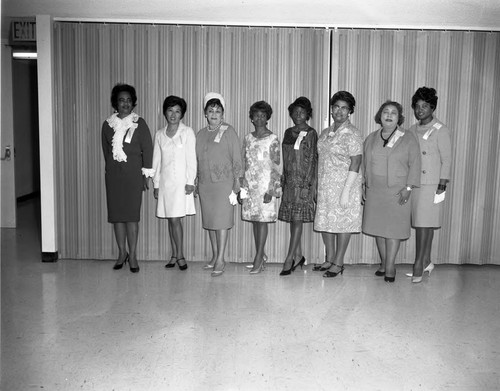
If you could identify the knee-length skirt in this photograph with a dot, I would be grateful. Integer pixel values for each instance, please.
(216, 210)
(424, 212)
(382, 215)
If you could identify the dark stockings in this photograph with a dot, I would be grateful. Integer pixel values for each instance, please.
(295, 248)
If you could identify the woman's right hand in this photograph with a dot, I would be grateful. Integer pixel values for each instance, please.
(155, 193)
(344, 198)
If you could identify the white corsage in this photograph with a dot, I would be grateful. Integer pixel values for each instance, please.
(121, 126)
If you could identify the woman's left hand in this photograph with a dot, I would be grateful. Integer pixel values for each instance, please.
(315, 194)
(267, 198)
(189, 189)
(404, 196)
(145, 183)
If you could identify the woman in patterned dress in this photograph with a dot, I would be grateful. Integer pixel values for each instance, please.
(220, 168)
(338, 212)
(128, 153)
(262, 181)
(300, 157)
(174, 161)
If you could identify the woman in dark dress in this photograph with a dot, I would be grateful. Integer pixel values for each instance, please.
(300, 158)
(128, 153)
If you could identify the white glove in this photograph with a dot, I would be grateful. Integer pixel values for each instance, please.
(233, 199)
(344, 197)
(243, 193)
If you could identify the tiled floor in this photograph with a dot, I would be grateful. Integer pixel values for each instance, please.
(79, 325)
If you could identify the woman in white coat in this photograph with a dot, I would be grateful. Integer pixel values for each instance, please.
(174, 159)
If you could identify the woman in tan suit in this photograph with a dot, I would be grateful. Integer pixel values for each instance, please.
(435, 145)
(219, 171)
(391, 170)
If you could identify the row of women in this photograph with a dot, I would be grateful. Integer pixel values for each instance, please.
(319, 179)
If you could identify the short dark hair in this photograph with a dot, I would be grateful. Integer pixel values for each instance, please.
(303, 102)
(397, 105)
(346, 97)
(171, 101)
(427, 95)
(120, 87)
(213, 102)
(261, 106)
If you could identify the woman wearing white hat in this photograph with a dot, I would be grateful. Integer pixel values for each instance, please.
(219, 168)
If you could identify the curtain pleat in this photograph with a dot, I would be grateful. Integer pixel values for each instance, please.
(247, 64)
(464, 67)
(243, 64)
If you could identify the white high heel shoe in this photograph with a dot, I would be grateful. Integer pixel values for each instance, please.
(428, 269)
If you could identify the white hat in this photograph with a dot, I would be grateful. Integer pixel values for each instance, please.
(214, 95)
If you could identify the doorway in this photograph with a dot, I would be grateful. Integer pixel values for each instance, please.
(26, 135)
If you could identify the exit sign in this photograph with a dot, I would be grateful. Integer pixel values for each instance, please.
(23, 30)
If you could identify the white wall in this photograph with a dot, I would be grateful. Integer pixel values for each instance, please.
(47, 164)
(8, 196)
(428, 14)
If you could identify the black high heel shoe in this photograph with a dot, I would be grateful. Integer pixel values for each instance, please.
(378, 273)
(289, 271)
(389, 279)
(329, 274)
(134, 269)
(300, 263)
(321, 268)
(118, 266)
(171, 264)
(182, 267)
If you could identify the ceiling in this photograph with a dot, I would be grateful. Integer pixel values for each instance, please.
(404, 14)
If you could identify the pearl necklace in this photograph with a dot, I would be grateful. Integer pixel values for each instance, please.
(216, 128)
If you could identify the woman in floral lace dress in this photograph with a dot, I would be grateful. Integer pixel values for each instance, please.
(128, 153)
(262, 180)
(338, 212)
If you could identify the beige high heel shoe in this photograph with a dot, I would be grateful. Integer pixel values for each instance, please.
(251, 265)
(428, 269)
(261, 267)
(217, 273)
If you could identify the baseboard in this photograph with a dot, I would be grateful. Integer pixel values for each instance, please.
(50, 257)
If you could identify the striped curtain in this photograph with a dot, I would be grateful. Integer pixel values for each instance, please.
(464, 68)
(276, 65)
(243, 64)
